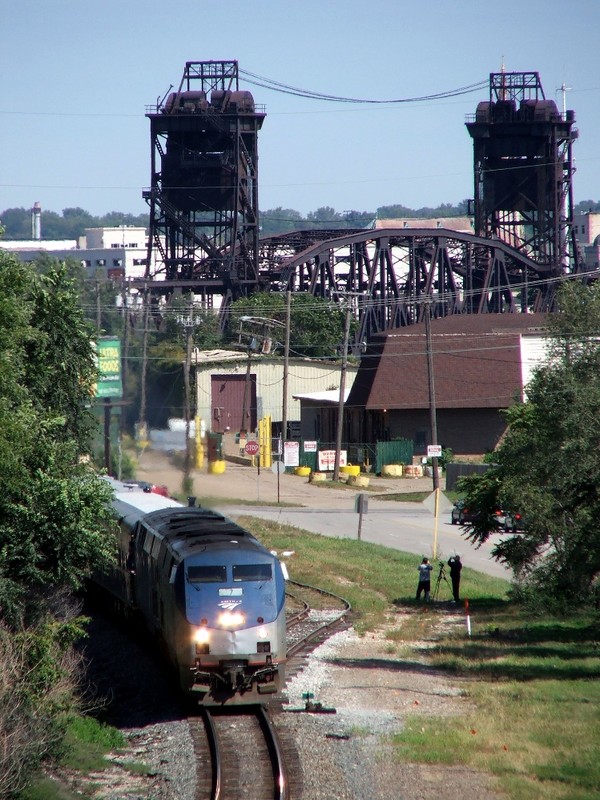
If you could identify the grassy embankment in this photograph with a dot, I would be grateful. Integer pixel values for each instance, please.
(535, 693)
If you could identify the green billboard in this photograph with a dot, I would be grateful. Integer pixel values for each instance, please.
(108, 351)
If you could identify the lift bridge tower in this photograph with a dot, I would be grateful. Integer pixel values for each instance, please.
(523, 171)
(204, 194)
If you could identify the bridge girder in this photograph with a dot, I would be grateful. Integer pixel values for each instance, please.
(391, 272)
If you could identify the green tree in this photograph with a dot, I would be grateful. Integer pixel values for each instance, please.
(53, 506)
(548, 464)
(316, 329)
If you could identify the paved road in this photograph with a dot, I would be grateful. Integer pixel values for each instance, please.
(327, 510)
(402, 526)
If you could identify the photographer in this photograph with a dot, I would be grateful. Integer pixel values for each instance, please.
(455, 565)
(424, 579)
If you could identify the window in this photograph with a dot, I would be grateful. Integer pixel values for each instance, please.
(252, 572)
(117, 262)
(420, 440)
(207, 574)
(101, 262)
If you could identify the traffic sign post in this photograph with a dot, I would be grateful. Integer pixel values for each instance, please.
(252, 448)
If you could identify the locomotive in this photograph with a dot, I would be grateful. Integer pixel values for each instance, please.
(208, 591)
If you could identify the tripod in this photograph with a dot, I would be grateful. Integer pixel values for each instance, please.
(441, 577)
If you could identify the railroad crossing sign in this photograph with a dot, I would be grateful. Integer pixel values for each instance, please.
(252, 448)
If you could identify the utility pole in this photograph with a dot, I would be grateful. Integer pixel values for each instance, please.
(431, 383)
(189, 329)
(340, 416)
(286, 366)
(142, 432)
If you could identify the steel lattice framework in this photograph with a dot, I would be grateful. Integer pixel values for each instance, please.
(523, 168)
(391, 273)
(204, 193)
(204, 214)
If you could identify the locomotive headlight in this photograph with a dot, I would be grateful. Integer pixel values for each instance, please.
(262, 633)
(201, 636)
(231, 619)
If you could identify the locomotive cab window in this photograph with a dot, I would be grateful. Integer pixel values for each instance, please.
(207, 574)
(252, 572)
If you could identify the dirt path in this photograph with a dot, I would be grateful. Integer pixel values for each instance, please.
(245, 483)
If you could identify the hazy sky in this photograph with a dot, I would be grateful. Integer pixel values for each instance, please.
(77, 76)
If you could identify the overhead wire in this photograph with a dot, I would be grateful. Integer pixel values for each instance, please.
(284, 88)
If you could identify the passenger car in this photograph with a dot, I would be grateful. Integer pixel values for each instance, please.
(461, 514)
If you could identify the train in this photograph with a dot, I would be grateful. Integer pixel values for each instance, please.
(210, 594)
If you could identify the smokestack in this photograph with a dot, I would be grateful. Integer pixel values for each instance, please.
(36, 221)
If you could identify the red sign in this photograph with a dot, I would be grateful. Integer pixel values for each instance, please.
(252, 448)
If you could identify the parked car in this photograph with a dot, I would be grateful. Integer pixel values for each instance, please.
(149, 487)
(513, 521)
(460, 514)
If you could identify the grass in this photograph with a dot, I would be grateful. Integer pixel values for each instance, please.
(531, 681)
(86, 745)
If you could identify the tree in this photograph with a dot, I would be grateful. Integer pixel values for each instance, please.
(317, 325)
(548, 465)
(53, 506)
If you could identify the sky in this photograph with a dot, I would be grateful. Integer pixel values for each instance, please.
(78, 75)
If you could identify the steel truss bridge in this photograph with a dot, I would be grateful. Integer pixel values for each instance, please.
(391, 275)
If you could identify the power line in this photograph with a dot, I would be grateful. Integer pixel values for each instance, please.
(284, 88)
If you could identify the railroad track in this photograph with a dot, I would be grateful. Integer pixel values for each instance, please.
(238, 755)
(238, 751)
(316, 615)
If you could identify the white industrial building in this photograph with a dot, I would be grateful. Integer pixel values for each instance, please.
(234, 391)
(109, 253)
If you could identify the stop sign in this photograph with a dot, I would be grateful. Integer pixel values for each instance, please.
(252, 448)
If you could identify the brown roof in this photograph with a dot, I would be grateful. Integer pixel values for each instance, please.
(476, 363)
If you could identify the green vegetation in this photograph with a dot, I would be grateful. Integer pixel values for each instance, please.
(72, 222)
(53, 509)
(547, 467)
(531, 681)
(534, 704)
(87, 742)
(372, 578)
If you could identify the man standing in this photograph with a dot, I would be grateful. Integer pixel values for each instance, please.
(455, 565)
(424, 579)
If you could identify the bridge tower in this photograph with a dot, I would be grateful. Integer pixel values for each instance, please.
(523, 170)
(204, 192)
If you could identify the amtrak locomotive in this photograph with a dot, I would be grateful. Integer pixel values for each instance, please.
(207, 589)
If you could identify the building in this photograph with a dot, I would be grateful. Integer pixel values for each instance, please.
(481, 364)
(106, 253)
(586, 228)
(234, 389)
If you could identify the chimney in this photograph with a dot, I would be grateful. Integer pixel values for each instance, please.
(36, 221)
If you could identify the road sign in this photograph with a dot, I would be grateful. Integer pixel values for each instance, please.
(252, 448)
(278, 468)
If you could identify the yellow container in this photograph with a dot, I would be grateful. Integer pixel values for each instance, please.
(304, 472)
(351, 469)
(358, 480)
(216, 467)
(392, 470)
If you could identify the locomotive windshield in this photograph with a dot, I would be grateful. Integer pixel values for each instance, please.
(252, 572)
(207, 573)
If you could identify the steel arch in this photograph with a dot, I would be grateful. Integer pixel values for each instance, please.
(391, 272)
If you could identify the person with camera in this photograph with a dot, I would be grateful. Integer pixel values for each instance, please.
(455, 565)
(424, 579)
